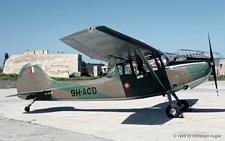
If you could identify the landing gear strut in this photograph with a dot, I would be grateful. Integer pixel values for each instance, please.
(174, 111)
(27, 108)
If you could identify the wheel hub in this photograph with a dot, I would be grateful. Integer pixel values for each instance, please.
(173, 111)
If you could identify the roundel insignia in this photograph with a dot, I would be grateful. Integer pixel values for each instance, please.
(126, 85)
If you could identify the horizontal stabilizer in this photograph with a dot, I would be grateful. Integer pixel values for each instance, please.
(29, 93)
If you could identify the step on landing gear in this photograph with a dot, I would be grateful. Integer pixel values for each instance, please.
(27, 108)
(173, 110)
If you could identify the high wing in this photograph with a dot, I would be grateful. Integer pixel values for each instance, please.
(103, 43)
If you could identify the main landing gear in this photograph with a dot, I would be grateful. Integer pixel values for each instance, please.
(174, 110)
(27, 108)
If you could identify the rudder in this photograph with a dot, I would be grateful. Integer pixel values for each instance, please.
(32, 78)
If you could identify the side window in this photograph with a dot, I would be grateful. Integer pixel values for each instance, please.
(139, 67)
(127, 69)
(135, 66)
(124, 69)
(120, 69)
(111, 73)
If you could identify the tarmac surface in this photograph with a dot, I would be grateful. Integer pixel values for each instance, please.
(142, 119)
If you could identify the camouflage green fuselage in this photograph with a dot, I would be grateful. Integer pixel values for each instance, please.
(119, 86)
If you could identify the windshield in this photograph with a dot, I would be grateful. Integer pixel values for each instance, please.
(166, 56)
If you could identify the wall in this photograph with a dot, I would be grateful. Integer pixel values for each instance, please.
(94, 69)
(7, 84)
(54, 65)
(222, 68)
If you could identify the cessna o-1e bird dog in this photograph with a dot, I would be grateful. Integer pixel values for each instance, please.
(140, 71)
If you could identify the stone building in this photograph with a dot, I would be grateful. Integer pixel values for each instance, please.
(54, 65)
(222, 68)
(94, 69)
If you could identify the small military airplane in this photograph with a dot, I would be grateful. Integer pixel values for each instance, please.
(140, 71)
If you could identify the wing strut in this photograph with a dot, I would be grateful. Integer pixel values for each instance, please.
(150, 68)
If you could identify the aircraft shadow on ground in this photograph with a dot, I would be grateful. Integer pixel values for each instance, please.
(141, 116)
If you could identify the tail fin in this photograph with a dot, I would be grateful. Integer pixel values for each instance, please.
(32, 78)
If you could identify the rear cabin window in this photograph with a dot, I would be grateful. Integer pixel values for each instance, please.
(124, 69)
(127, 69)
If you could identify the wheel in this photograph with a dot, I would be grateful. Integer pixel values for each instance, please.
(184, 106)
(173, 111)
(27, 109)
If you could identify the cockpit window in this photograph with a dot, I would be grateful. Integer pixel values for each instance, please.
(127, 69)
(157, 62)
(123, 69)
(120, 69)
(166, 59)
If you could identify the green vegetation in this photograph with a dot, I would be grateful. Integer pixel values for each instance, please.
(84, 71)
(8, 76)
(6, 56)
(110, 66)
(219, 78)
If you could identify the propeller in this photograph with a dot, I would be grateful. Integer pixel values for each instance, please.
(213, 65)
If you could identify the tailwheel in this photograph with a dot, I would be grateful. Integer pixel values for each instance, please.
(184, 105)
(173, 111)
(27, 108)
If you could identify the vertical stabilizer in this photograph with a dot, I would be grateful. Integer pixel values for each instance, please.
(32, 78)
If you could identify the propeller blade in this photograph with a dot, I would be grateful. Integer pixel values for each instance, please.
(213, 65)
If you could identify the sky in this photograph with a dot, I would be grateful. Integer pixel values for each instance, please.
(165, 25)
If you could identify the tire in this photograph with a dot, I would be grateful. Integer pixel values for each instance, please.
(185, 105)
(27, 109)
(173, 111)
